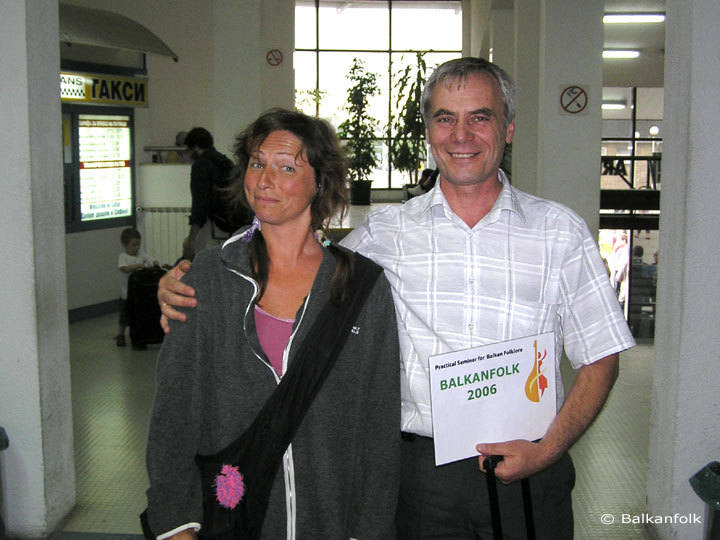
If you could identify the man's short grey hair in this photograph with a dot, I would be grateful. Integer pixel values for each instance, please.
(459, 70)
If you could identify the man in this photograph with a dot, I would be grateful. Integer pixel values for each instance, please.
(208, 172)
(476, 261)
(619, 261)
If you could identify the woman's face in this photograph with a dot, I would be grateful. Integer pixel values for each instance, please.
(279, 181)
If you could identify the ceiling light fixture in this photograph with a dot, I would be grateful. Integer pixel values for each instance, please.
(613, 105)
(620, 54)
(633, 18)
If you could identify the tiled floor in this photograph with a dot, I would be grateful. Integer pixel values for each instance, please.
(611, 458)
(112, 395)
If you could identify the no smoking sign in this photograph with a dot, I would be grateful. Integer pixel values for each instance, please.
(573, 99)
(274, 57)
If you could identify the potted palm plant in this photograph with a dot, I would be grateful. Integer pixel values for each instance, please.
(358, 132)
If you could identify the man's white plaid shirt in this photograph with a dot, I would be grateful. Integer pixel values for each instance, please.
(529, 266)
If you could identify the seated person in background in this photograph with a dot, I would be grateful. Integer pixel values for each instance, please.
(646, 270)
(178, 156)
(426, 183)
(651, 269)
(258, 296)
(129, 260)
(637, 255)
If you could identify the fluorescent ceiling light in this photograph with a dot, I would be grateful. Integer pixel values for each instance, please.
(633, 18)
(613, 105)
(620, 54)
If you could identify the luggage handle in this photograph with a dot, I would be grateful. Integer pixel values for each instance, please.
(489, 464)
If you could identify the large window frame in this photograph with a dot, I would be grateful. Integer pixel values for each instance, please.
(396, 59)
(631, 179)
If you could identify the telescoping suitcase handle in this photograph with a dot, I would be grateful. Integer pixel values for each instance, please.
(489, 464)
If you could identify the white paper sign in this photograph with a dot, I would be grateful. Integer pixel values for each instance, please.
(492, 393)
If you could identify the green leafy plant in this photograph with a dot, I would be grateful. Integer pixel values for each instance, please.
(308, 101)
(358, 131)
(408, 151)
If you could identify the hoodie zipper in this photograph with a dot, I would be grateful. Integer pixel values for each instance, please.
(288, 463)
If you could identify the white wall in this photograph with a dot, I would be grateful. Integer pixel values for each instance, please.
(180, 93)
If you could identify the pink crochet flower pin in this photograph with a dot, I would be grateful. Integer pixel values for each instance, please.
(229, 487)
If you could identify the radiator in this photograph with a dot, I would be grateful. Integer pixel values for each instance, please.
(163, 230)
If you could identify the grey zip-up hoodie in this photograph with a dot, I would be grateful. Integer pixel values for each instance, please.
(340, 475)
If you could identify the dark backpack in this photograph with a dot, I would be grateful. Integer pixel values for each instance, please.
(227, 215)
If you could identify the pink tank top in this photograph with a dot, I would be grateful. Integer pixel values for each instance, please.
(273, 334)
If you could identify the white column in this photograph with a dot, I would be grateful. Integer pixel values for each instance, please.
(476, 16)
(526, 72)
(559, 45)
(685, 419)
(570, 142)
(38, 471)
(502, 38)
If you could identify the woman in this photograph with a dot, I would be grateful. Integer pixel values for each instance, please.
(258, 296)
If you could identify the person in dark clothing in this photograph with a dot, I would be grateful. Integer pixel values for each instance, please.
(207, 172)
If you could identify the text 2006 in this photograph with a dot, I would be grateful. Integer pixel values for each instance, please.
(483, 391)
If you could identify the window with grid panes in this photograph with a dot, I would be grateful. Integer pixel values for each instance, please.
(385, 35)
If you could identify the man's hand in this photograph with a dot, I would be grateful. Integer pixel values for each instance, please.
(520, 459)
(173, 292)
(584, 401)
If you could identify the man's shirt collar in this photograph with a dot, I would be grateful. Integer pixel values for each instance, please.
(508, 199)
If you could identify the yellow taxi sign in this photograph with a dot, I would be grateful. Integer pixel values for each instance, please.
(103, 89)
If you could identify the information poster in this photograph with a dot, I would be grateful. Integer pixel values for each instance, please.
(105, 174)
(492, 393)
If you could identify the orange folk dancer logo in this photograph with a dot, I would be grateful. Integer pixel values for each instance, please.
(537, 382)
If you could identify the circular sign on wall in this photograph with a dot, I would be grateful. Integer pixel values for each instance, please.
(274, 57)
(573, 99)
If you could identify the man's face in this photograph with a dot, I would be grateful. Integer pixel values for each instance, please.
(195, 152)
(466, 130)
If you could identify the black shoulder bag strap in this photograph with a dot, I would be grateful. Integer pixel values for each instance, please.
(257, 453)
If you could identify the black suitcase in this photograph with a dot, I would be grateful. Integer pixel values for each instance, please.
(142, 307)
